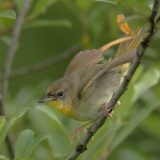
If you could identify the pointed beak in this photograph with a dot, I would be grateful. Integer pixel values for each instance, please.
(46, 99)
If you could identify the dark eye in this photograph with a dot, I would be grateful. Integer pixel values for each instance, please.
(60, 93)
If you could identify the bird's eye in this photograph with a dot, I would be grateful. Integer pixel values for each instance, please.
(60, 93)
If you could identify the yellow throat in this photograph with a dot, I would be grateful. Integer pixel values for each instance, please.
(64, 108)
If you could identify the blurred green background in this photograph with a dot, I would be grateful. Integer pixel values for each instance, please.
(51, 28)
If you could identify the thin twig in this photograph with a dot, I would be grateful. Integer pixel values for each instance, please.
(7, 67)
(82, 146)
(46, 63)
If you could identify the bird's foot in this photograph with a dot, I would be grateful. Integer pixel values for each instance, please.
(107, 111)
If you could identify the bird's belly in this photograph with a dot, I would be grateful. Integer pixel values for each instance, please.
(91, 103)
(90, 108)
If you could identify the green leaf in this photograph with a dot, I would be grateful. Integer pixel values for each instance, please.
(26, 144)
(148, 80)
(2, 122)
(2, 128)
(8, 125)
(2, 157)
(37, 141)
(49, 23)
(40, 7)
(18, 4)
(5, 39)
(133, 121)
(54, 117)
(108, 1)
(8, 14)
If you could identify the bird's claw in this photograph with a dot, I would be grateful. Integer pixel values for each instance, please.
(107, 111)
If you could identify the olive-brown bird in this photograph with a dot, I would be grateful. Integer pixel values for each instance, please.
(90, 81)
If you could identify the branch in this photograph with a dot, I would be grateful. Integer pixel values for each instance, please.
(82, 146)
(8, 64)
(46, 63)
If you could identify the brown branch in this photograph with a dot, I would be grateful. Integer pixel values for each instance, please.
(82, 146)
(46, 63)
(7, 67)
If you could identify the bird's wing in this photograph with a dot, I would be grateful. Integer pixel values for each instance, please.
(83, 60)
(126, 47)
(118, 61)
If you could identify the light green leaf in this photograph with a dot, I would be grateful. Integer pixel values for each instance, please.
(26, 144)
(148, 80)
(54, 117)
(8, 14)
(2, 157)
(49, 23)
(40, 7)
(108, 1)
(8, 125)
(37, 141)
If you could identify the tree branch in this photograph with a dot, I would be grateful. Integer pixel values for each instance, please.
(7, 67)
(82, 146)
(46, 63)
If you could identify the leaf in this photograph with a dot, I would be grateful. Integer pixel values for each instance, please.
(8, 125)
(2, 157)
(54, 117)
(108, 1)
(49, 23)
(2, 128)
(40, 7)
(37, 141)
(26, 144)
(133, 122)
(148, 80)
(2, 122)
(8, 14)
(6, 40)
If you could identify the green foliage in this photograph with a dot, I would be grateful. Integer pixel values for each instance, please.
(40, 7)
(149, 79)
(6, 126)
(26, 144)
(8, 14)
(2, 157)
(49, 23)
(41, 132)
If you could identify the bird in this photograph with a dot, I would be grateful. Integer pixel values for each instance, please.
(90, 80)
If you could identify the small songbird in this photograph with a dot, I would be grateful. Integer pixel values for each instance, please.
(90, 81)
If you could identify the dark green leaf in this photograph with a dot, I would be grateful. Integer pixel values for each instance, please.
(49, 23)
(40, 7)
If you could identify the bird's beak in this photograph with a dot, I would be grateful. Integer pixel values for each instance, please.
(46, 99)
